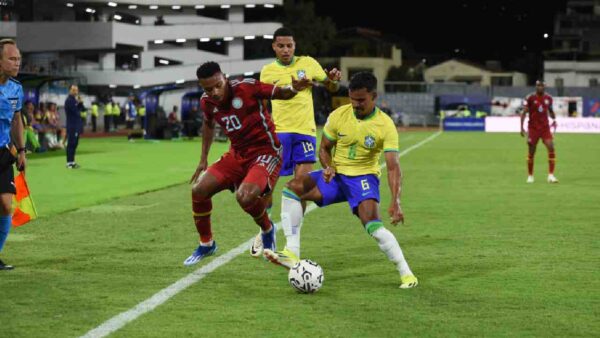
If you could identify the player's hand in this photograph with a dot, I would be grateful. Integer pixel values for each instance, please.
(301, 84)
(201, 167)
(395, 212)
(334, 74)
(328, 174)
(21, 161)
(523, 132)
(554, 124)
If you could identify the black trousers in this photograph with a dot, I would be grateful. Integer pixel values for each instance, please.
(72, 143)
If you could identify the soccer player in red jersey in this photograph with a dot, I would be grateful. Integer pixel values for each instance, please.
(539, 106)
(251, 166)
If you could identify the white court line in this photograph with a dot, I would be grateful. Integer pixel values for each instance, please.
(120, 320)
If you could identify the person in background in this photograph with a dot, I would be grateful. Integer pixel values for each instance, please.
(74, 125)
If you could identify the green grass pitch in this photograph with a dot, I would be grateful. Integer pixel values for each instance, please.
(494, 256)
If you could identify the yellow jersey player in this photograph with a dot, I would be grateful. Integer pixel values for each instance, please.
(294, 119)
(360, 132)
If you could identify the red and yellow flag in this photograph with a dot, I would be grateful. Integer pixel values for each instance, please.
(24, 207)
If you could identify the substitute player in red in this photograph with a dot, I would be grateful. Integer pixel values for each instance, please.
(251, 166)
(539, 107)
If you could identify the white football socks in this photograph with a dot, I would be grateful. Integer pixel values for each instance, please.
(291, 222)
(389, 245)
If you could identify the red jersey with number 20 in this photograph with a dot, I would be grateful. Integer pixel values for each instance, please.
(538, 107)
(245, 120)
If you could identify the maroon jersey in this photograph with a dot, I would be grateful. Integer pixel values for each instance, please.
(245, 120)
(538, 107)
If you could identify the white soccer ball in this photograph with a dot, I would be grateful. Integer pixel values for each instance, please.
(306, 276)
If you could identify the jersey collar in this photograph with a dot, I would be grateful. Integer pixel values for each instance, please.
(282, 65)
(368, 117)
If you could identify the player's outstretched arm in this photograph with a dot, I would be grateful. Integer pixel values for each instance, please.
(394, 174)
(332, 80)
(326, 159)
(208, 132)
(289, 91)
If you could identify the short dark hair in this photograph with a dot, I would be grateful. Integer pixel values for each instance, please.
(6, 42)
(363, 80)
(207, 70)
(283, 32)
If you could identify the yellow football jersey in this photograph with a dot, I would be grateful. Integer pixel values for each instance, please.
(297, 114)
(359, 143)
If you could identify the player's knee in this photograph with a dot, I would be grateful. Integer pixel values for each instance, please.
(245, 198)
(198, 192)
(296, 186)
(5, 208)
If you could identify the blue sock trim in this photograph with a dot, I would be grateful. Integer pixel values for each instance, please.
(290, 194)
(5, 225)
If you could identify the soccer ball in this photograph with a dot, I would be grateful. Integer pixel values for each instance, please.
(306, 276)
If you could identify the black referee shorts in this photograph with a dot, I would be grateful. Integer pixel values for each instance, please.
(7, 177)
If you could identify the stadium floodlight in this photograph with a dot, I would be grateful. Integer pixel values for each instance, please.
(180, 81)
(204, 39)
(199, 7)
(112, 86)
(228, 38)
(137, 21)
(158, 42)
(117, 17)
(153, 7)
(225, 6)
(249, 37)
(180, 40)
(163, 61)
(176, 7)
(90, 10)
(267, 36)
(250, 5)
(112, 4)
(132, 6)
(70, 4)
(269, 6)
(135, 56)
(136, 86)
(248, 73)
(546, 35)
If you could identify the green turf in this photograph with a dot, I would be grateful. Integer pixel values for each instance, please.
(495, 256)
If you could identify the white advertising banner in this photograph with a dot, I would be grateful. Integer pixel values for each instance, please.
(511, 124)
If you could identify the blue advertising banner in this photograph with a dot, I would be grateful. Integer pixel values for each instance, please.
(464, 124)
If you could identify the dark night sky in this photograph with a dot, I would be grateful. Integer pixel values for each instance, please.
(510, 28)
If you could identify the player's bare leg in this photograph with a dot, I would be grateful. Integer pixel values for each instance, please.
(551, 160)
(368, 212)
(249, 198)
(530, 157)
(205, 187)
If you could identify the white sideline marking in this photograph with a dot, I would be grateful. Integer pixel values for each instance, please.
(120, 320)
